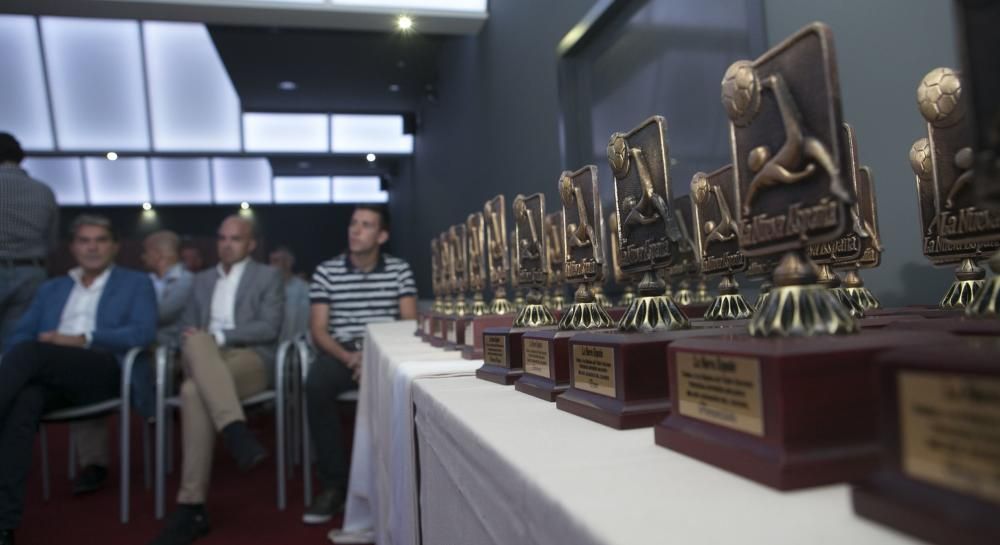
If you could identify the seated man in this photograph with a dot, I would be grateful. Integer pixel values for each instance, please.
(172, 284)
(348, 292)
(296, 295)
(229, 329)
(66, 349)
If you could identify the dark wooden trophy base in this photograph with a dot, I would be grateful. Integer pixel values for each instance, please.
(925, 311)
(502, 354)
(453, 331)
(546, 363)
(472, 349)
(939, 483)
(785, 412)
(437, 338)
(429, 327)
(958, 325)
(626, 376)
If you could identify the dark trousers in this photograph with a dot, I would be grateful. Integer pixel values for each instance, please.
(36, 378)
(328, 378)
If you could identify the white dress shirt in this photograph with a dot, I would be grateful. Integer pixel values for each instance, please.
(79, 316)
(224, 300)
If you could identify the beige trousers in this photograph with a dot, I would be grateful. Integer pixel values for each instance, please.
(92, 442)
(216, 380)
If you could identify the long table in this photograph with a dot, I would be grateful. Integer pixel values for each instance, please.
(442, 458)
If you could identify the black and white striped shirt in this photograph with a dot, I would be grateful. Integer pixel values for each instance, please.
(358, 298)
(29, 216)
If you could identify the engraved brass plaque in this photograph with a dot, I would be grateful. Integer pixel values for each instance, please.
(583, 228)
(950, 431)
(594, 369)
(785, 130)
(495, 350)
(536, 357)
(716, 231)
(720, 389)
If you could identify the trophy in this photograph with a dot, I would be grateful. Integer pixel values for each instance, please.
(859, 246)
(454, 325)
(618, 378)
(546, 352)
(478, 271)
(503, 355)
(698, 300)
(623, 280)
(554, 232)
(497, 260)
(446, 287)
(430, 321)
(515, 279)
(795, 407)
(940, 405)
(717, 240)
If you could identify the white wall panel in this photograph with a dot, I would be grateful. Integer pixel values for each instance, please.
(95, 75)
(301, 189)
(353, 133)
(63, 174)
(125, 181)
(181, 180)
(264, 132)
(241, 179)
(355, 189)
(472, 6)
(193, 104)
(24, 109)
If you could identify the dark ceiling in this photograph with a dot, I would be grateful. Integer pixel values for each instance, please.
(335, 71)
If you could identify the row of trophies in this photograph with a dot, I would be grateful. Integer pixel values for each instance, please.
(779, 391)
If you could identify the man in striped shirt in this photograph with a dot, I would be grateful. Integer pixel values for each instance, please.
(359, 287)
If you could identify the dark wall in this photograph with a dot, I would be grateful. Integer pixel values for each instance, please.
(494, 126)
(313, 232)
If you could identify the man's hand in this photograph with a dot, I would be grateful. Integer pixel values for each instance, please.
(189, 331)
(54, 337)
(353, 363)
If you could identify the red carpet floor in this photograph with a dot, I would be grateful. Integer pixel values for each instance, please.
(241, 506)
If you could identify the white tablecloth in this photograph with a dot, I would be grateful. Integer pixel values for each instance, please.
(382, 494)
(500, 467)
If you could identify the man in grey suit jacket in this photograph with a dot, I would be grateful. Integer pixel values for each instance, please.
(229, 330)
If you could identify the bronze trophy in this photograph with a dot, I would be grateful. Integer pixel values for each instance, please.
(554, 232)
(546, 352)
(454, 325)
(623, 280)
(503, 355)
(687, 268)
(797, 409)
(717, 240)
(478, 272)
(446, 285)
(497, 255)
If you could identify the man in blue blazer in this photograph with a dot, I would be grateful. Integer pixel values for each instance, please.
(66, 350)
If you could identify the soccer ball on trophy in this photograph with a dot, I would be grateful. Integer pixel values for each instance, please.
(618, 155)
(920, 159)
(939, 97)
(741, 92)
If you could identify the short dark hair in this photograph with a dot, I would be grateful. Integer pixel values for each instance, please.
(10, 149)
(380, 209)
(95, 220)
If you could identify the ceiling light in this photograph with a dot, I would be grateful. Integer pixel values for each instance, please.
(147, 206)
(112, 156)
(244, 205)
(393, 87)
(370, 157)
(287, 85)
(404, 23)
(304, 164)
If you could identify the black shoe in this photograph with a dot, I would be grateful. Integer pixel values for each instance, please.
(6, 537)
(324, 506)
(184, 526)
(91, 479)
(243, 446)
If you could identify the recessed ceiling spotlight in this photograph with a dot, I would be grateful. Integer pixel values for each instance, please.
(393, 87)
(287, 85)
(304, 164)
(147, 206)
(404, 23)
(244, 205)
(112, 156)
(370, 157)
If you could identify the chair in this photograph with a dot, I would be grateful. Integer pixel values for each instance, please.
(122, 405)
(278, 396)
(306, 356)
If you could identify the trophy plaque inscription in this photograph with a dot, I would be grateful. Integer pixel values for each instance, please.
(546, 352)
(717, 240)
(798, 405)
(532, 266)
(939, 416)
